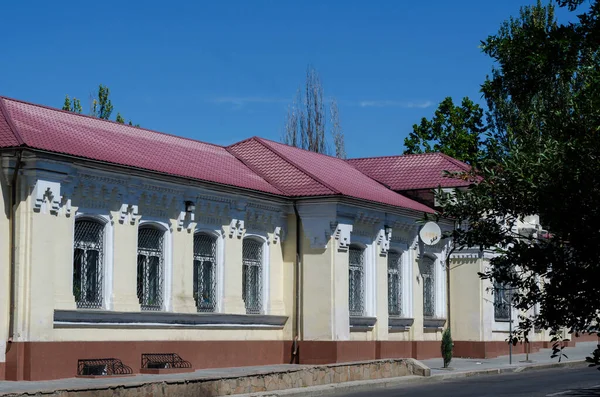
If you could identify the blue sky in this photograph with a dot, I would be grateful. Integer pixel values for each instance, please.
(222, 71)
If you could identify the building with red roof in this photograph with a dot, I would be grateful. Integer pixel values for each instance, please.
(118, 241)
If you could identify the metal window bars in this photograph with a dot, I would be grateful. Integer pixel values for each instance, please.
(428, 274)
(356, 285)
(394, 263)
(102, 367)
(88, 259)
(502, 302)
(164, 360)
(252, 258)
(150, 268)
(205, 269)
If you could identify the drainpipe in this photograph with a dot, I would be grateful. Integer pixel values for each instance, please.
(12, 253)
(448, 294)
(297, 286)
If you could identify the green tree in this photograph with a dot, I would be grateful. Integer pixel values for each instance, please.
(74, 106)
(447, 347)
(100, 105)
(454, 130)
(306, 125)
(543, 96)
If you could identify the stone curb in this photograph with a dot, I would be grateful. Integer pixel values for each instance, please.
(335, 389)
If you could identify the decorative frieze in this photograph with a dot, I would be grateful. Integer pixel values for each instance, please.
(236, 228)
(342, 235)
(47, 192)
(384, 239)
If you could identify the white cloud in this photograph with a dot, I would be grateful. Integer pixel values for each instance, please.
(398, 104)
(241, 101)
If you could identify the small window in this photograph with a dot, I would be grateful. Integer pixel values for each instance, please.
(150, 267)
(428, 274)
(356, 281)
(394, 263)
(502, 302)
(88, 263)
(205, 270)
(252, 277)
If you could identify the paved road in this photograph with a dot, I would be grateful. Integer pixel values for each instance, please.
(562, 382)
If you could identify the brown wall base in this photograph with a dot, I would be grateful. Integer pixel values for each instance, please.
(327, 352)
(585, 338)
(55, 360)
(468, 349)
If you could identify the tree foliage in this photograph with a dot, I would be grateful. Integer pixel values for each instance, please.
(543, 96)
(447, 347)
(306, 121)
(457, 131)
(100, 105)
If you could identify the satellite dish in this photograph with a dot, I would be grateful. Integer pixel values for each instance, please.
(430, 233)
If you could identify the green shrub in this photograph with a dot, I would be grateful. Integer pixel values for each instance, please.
(447, 347)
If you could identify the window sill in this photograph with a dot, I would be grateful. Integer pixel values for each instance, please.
(362, 324)
(434, 323)
(110, 319)
(399, 324)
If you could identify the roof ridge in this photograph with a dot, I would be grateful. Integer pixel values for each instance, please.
(461, 164)
(394, 156)
(299, 148)
(296, 165)
(10, 123)
(106, 121)
(253, 169)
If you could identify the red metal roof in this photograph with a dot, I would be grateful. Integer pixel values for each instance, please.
(412, 171)
(255, 164)
(316, 174)
(64, 132)
(278, 170)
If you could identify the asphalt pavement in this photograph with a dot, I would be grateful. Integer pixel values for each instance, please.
(563, 382)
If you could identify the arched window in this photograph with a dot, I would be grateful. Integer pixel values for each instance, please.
(150, 267)
(428, 274)
(252, 277)
(356, 281)
(205, 272)
(394, 266)
(88, 263)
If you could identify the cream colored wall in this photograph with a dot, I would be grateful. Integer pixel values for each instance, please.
(466, 303)
(44, 269)
(4, 266)
(318, 295)
(380, 331)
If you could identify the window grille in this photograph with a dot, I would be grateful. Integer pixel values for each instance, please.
(428, 275)
(356, 284)
(88, 263)
(150, 267)
(205, 270)
(252, 257)
(394, 263)
(502, 302)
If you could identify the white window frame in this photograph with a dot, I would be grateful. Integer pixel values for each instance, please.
(407, 277)
(266, 268)
(167, 304)
(107, 255)
(370, 273)
(220, 273)
(439, 275)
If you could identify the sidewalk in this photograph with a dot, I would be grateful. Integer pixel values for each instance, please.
(574, 354)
